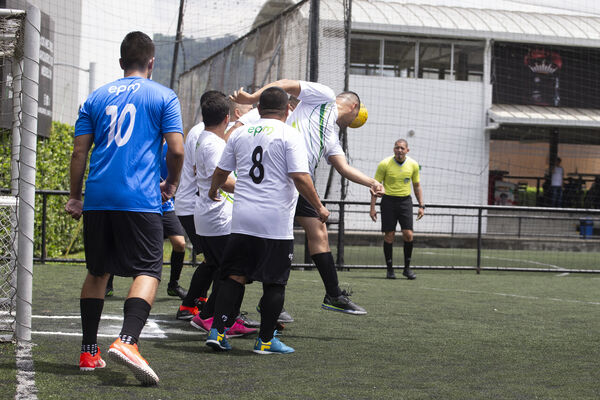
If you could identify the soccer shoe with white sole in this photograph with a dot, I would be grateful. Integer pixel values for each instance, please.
(201, 324)
(273, 346)
(283, 318)
(218, 341)
(343, 304)
(88, 362)
(129, 356)
(247, 321)
(409, 274)
(239, 329)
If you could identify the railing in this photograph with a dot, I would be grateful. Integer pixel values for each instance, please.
(338, 228)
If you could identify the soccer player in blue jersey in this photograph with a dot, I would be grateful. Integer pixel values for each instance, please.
(126, 121)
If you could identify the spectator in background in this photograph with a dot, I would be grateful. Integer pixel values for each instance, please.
(556, 188)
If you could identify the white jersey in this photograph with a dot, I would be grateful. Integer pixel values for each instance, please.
(211, 218)
(264, 155)
(315, 117)
(185, 197)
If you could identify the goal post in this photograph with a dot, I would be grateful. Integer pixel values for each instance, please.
(19, 58)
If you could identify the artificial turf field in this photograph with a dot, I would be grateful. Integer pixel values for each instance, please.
(446, 335)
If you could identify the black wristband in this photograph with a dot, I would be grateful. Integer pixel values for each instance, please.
(423, 207)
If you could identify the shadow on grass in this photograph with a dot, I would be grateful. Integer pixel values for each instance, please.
(107, 376)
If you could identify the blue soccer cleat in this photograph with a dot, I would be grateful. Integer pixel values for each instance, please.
(218, 341)
(273, 346)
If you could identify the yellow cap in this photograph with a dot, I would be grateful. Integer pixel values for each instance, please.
(361, 118)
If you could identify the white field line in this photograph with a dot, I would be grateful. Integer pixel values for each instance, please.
(594, 303)
(26, 389)
(152, 329)
(510, 259)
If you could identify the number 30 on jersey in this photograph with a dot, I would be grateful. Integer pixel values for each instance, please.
(116, 124)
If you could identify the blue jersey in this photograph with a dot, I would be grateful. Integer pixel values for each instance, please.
(168, 205)
(128, 118)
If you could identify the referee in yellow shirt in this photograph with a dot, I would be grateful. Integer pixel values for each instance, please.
(396, 173)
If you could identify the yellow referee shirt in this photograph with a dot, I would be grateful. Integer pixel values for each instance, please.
(396, 177)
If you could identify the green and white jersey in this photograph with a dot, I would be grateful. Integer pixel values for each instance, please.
(315, 117)
(211, 218)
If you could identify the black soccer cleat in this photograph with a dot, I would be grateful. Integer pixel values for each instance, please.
(409, 274)
(343, 304)
(176, 290)
(390, 274)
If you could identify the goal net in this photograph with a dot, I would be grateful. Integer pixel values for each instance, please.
(19, 55)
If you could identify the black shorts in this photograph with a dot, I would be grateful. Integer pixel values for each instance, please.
(171, 225)
(187, 222)
(396, 209)
(123, 243)
(258, 259)
(214, 249)
(305, 209)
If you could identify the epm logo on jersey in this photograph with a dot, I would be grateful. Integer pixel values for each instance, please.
(255, 130)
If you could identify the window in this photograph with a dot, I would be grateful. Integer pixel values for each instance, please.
(365, 58)
(401, 56)
(399, 59)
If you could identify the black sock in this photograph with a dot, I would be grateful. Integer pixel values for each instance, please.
(270, 308)
(135, 312)
(227, 298)
(176, 267)
(238, 305)
(91, 310)
(408, 246)
(388, 251)
(199, 284)
(326, 267)
(109, 284)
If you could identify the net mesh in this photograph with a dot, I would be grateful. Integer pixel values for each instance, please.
(11, 52)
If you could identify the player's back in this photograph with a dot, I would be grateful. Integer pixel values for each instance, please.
(315, 117)
(265, 196)
(127, 118)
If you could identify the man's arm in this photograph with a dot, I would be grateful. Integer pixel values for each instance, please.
(373, 212)
(81, 148)
(289, 85)
(341, 165)
(306, 188)
(229, 185)
(419, 195)
(175, 155)
(218, 180)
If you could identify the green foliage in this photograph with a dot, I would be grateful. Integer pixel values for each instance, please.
(53, 159)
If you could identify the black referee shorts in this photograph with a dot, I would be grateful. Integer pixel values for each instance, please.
(123, 243)
(396, 209)
(258, 259)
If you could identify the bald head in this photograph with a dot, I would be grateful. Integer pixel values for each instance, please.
(236, 110)
(348, 104)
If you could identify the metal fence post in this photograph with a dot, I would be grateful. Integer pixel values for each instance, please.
(340, 238)
(479, 241)
(44, 216)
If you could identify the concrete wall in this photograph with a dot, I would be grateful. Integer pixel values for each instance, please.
(443, 123)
